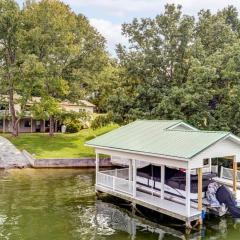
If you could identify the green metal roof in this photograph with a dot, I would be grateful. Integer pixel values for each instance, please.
(154, 137)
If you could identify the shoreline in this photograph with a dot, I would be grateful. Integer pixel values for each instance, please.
(70, 163)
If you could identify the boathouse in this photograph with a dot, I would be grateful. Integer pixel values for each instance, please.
(167, 144)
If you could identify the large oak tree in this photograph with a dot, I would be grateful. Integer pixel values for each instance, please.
(49, 51)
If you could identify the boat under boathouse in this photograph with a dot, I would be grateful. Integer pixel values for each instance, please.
(165, 165)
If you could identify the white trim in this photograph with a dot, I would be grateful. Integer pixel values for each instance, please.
(184, 124)
(150, 159)
(140, 153)
(222, 148)
(235, 138)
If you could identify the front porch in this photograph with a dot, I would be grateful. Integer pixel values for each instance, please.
(29, 125)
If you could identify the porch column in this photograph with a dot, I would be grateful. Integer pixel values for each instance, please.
(188, 191)
(234, 175)
(162, 180)
(134, 178)
(97, 165)
(200, 190)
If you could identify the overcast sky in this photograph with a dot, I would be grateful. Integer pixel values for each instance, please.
(108, 15)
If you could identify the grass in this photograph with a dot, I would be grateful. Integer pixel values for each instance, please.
(59, 146)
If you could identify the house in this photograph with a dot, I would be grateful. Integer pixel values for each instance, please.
(28, 124)
(148, 150)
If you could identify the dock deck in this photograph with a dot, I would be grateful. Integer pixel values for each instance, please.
(122, 188)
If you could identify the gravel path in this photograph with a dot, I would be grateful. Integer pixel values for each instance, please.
(10, 156)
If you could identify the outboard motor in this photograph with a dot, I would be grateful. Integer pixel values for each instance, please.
(223, 195)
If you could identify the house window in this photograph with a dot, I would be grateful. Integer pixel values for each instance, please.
(206, 162)
(82, 110)
(1, 123)
(27, 123)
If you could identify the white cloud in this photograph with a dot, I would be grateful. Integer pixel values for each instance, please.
(118, 7)
(112, 32)
(124, 7)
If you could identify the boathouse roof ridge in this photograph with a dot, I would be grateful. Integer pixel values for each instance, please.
(173, 138)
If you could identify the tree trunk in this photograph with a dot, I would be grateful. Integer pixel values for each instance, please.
(15, 120)
(51, 127)
(15, 128)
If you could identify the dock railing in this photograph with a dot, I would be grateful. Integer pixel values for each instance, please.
(116, 180)
(227, 173)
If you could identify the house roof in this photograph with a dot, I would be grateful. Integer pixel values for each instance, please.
(38, 99)
(87, 103)
(80, 103)
(158, 137)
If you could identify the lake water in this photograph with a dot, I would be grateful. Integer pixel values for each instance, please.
(61, 205)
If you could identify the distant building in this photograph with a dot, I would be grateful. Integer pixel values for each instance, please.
(28, 124)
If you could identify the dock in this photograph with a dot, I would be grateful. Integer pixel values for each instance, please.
(166, 144)
(116, 183)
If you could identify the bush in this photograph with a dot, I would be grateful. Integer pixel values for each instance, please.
(73, 126)
(101, 121)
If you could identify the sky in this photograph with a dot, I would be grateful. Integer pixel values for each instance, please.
(108, 15)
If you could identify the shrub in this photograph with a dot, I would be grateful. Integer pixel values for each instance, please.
(101, 121)
(73, 126)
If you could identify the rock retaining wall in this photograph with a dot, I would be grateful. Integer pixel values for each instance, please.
(70, 163)
(10, 156)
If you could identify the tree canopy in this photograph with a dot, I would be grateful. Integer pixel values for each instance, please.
(47, 50)
(179, 67)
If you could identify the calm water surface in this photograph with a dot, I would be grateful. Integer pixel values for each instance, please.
(61, 204)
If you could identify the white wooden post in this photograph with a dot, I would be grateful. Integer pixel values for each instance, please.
(134, 178)
(97, 165)
(234, 175)
(210, 164)
(130, 175)
(162, 180)
(221, 172)
(130, 170)
(188, 191)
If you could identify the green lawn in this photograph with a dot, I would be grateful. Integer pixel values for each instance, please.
(59, 146)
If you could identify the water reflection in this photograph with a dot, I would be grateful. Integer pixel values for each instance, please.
(61, 205)
(120, 220)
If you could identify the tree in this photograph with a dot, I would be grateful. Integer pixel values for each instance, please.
(157, 59)
(67, 46)
(179, 68)
(16, 65)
